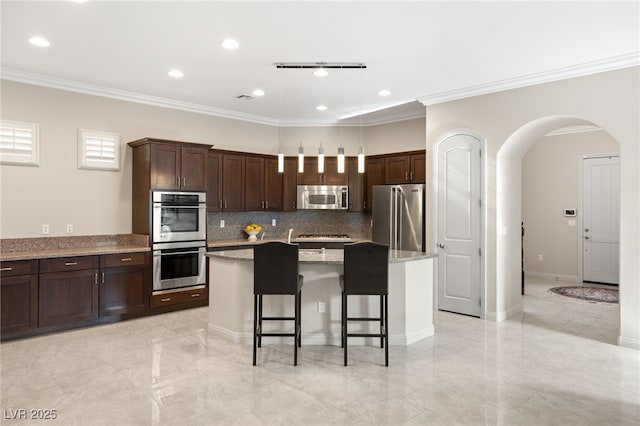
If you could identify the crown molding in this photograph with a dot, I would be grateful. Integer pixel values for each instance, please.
(90, 89)
(594, 67)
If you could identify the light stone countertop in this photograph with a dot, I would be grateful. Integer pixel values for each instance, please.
(322, 257)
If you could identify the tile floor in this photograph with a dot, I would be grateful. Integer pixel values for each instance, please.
(555, 364)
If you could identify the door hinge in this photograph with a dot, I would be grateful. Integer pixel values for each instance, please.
(480, 152)
(480, 301)
(479, 251)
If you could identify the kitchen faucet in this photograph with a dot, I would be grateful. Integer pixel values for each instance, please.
(289, 239)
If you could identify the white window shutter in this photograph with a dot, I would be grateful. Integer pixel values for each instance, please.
(18, 143)
(98, 150)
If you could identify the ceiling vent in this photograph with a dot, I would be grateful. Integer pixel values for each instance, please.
(244, 97)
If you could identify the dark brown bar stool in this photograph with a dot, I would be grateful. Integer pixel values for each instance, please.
(366, 273)
(275, 272)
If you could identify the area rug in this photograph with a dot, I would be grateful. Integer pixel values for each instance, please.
(590, 294)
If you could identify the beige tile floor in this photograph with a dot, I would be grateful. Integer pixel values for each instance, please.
(555, 364)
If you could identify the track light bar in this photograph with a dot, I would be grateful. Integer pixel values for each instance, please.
(328, 65)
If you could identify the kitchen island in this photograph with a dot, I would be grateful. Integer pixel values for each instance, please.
(410, 298)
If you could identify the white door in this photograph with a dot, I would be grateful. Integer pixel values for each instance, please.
(458, 239)
(601, 219)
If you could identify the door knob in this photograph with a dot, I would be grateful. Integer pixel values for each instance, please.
(441, 245)
(587, 237)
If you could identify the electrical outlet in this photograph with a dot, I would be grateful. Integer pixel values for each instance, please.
(540, 258)
(273, 222)
(45, 228)
(221, 223)
(322, 307)
(69, 228)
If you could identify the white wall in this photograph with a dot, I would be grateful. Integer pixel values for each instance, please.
(550, 185)
(99, 202)
(512, 121)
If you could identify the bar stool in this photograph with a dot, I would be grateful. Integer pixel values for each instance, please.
(366, 272)
(275, 272)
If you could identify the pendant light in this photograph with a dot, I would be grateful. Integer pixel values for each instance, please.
(280, 160)
(361, 152)
(361, 160)
(341, 160)
(321, 159)
(300, 159)
(280, 153)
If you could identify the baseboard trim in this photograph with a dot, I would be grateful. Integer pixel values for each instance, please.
(550, 276)
(629, 342)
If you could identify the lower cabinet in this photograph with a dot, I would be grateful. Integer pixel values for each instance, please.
(178, 297)
(125, 284)
(18, 297)
(68, 290)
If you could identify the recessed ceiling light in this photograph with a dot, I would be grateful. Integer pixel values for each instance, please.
(384, 92)
(321, 72)
(39, 41)
(258, 92)
(230, 44)
(321, 108)
(176, 74)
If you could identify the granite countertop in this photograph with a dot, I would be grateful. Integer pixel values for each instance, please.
(52, 247)
(323, 257)
(246, 242)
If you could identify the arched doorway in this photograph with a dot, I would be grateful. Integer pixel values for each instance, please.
(508, 206)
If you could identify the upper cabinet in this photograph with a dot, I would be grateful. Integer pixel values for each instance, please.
(263, 184)
(170, 165)
(290, 184)
(226, 182)
(356, 185)
(405, 168)
(374, 175)
(330, 176)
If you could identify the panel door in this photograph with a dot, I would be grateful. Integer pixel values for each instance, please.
(601, 220)
(418, 168)
(165, 167)
(214, 182)
(194, 169)
(254, 184)
(68, 297)
(273, 182)
(374, 168)
(459, 279)
(290, 184)
(396, 169)
(233, 183)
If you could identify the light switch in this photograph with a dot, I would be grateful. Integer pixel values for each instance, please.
(222, 223)
(572, 222)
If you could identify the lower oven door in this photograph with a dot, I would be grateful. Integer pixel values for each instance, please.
(178, 265)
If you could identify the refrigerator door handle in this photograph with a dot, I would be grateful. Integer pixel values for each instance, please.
(392, 213)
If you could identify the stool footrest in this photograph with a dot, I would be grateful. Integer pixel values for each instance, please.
(277, 334)
(366, 335)
(278, 318)
(363, 319)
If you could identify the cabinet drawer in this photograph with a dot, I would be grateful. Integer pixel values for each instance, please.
(177, 297)
(69, 264)
(18, 267)
(124, 259)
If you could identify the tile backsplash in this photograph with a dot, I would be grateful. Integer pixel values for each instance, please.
(353, 224)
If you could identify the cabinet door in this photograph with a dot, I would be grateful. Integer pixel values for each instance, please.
(214, 182)
(331, 175)
(68, 297)
(18, 304)
(273, 182)
(125, 283)
(356, 185)
(418, 168)
(310, 175)
(194, 169)
(290, 185)
(374, 176)
(254, 183)
(396, 169)
(233, 182)
(165, 166)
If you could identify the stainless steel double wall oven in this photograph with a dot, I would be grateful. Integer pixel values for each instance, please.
(179, 239)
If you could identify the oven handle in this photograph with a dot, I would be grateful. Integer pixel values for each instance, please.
(159, 252)
(179, 206)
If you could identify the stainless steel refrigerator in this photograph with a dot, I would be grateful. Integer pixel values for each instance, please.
(398, 216)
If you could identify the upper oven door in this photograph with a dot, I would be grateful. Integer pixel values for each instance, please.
(179, 217)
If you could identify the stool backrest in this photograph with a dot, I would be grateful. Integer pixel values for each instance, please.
(366, 268)
(275, 268)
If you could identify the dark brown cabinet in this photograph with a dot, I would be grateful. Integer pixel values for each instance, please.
(405, 168)
(356, 185)
(170, 298)
(68, 290)
(330, 176)
(18, 297)
(290, 184)
(125, 283)
(374, 175)
(263, 184)
(225, 182)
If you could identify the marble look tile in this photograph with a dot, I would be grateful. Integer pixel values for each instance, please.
(554, 364)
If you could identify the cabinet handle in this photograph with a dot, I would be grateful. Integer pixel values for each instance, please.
(125, 259)
(102, 278)
(364, 204)
(411, 176)
(225, 204)
(6, 269)
(95, 278)
(70, 263)
(266, 204)
(406, 175)
(220, 203)
(195, 295)
(178, 179)
(294, 204)
(166, 299)
(184, 181)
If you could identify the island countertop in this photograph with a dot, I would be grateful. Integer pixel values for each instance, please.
(322, 256)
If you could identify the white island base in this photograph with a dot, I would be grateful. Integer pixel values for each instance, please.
(410, 300)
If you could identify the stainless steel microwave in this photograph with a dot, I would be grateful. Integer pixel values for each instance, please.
(323, 197)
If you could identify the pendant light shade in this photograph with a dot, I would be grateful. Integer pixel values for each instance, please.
(321, 159)
(280, 160)
(361, 160)
(300, 159)
(340, 160)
